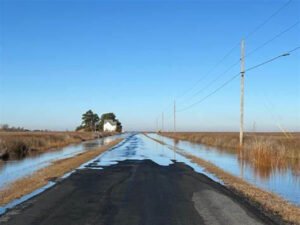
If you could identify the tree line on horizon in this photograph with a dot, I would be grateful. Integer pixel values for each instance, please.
(92, 122)
(6, 127)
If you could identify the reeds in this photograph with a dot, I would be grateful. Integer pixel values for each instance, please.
(15, 145)
(264, 151)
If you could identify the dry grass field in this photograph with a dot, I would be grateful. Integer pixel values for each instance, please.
(263, 150)
(15, 145)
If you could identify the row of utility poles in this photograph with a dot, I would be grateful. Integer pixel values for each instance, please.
(242, 60)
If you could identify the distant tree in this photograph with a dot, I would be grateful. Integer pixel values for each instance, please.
(89, 121)
(119, 126)
(105, 116)
(109, 116)
(5, 127)
(92, 122)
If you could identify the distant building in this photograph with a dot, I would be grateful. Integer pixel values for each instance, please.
(109, 126)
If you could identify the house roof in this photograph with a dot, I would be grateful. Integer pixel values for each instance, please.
(110, 121)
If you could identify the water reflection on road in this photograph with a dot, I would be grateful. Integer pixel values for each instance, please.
(140, 147)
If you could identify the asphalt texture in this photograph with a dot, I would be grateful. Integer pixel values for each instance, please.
(136, 192)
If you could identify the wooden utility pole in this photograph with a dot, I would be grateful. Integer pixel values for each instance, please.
(174, 116)
(242, 92)
(162, 122)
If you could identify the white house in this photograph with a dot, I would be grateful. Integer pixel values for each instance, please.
(109, 125)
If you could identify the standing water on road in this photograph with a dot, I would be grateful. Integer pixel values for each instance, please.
(285, 183)
(16, 169)
(140, 147)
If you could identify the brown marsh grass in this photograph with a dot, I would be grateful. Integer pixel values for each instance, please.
(265, 152)
(40, 178)
(15, 145)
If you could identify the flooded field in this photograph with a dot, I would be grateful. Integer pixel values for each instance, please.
(16, 169)
(283, 182)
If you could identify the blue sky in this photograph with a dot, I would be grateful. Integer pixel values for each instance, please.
(61, 58)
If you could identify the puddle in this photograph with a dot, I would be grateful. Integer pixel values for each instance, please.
(140, 147)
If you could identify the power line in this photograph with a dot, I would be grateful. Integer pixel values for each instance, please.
(270, 60)
(216, 79)
(273, 38)
(210, 94)
(268, 19)
(236, 45)
(209, 72)
(293, 50)
(247, 55)
(235, 76)
(232, 49)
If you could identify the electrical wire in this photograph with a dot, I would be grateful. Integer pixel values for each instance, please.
(216, 79)
(272, 39)
(235, 76)
(210, 94)
(251, 33)
(268, 19)
(232, 49)
(247, 55)
(209, 72)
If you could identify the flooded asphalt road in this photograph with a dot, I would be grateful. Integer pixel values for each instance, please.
(134, 185)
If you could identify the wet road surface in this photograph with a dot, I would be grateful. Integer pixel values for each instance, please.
(136, 188)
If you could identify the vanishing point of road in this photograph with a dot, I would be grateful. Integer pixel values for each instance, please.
(136, 183)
